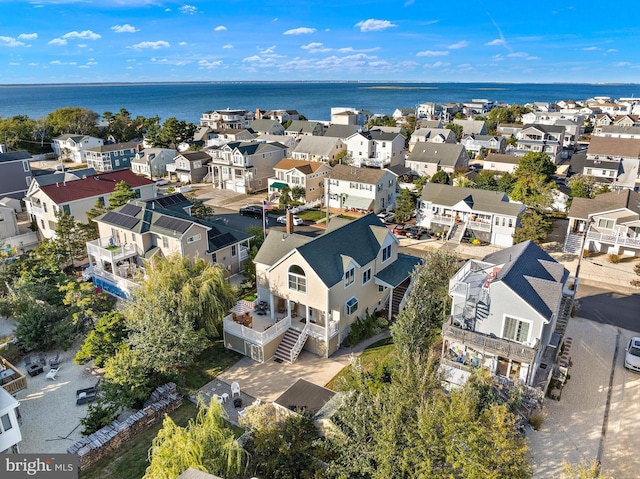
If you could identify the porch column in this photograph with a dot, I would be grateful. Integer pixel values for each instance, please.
(271, 306)
(306, 312)
(390, 303)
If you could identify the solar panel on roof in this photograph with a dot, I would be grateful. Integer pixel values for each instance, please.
(172, 224)
(120, 219)
(223, 240)
(130, 210)
(171, 200)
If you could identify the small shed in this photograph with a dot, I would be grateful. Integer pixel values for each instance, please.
(11, 203)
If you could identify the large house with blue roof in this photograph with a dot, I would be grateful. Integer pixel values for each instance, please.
(509, 315)
(312, 289)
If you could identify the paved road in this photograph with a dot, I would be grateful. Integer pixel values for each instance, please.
(241, 223)
(608, 307)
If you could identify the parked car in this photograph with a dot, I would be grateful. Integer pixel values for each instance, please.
(251, 210)
(400, 229)
(296, 220)
(417, 232)
(387, 218)
(632, 355)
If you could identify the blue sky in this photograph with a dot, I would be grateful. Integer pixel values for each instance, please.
(60, 41)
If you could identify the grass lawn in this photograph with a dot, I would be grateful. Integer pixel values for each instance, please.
(377, 353)
(347, 217)
(312, 215)
(209, 365)
(130, 461)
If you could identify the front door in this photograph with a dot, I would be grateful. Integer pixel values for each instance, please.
(257, 354)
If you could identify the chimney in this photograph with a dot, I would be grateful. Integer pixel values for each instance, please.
(289, 222)
(139, 147)
(258, 114)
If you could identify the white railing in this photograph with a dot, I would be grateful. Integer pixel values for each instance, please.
(295, 350)
(107, 249)
(479, 225)
(172, 167)
(319, 332)
(620, 240)
(36, 210)
(244, 254)
(257, 337)
(445, 220)
(25, 239)
(121, 283)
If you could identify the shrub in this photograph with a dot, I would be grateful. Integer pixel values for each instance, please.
(475, 241)
(614, 258)
(586, 253)
(536, 420)
(364, 328)
(99, 415)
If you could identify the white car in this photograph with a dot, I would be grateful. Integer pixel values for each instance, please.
(632, 355)
(296, 220)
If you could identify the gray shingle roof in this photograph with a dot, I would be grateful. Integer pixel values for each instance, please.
(399, 270)
(445, 154)
(316, 145)
(60, 177)
(15, 155)
(359, 175)
(115, 147)
(302, 126)
(305, 396)
(341, 131)
(532, 274)
(262, 124)
(479, 200)
(615, 147)
(498, 158)
(615, 200)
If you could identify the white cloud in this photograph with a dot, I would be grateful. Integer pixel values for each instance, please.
(533, 58)
(126, 28)
(220, 28)
(83, 66)
(208, 64)
(590, 49)
(10, 42)
(622, 64)
(431, 53)
(153, 45)
(300, 31)
(497, 58)
(315, 47)
(182, 44)
(353, 50)
(373, 25)
(610, 50)
(58, 41)
(14, 64)
(27, 36)
(460, 44)
(253, 59)
(227, 46)
(82, 45)
(518, 55)
(437, 65)
(34, 64)
(188, 9)
(55, 62)
(496, 42)
(84, 35)
(268, 50)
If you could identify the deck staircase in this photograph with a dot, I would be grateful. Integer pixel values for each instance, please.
(572, 243)
(291, 344)
(482, 311)
(456, 233)
(398, 295)
(566, 305)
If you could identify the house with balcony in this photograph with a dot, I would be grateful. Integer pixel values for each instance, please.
(613, 131)
(486, 215)
(486, 143)
(227, 119)
(318, 148)
(190, 167)
(309, 175)
(541, 138)
(509, 314)
(139, 231)
(471, 127)
(112, 157)
(360, 189)
(301, 128)
(10, 435)
(349, 116)
(426, 159)
(280, 115)
(73, 147)
(245, 167)
(375, 148)
(78, 196)
(611, 152)
(15, 173)
(431, 135)
(310, 290)
(217, 138)
(12, 380)
(152, 162)
(608, 223)
(267, 127)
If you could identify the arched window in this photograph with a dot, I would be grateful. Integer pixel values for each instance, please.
(297, 279)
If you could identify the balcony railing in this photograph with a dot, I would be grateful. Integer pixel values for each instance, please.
(444, 220)
(37, 210)
(485, 343)
(108, 250)
(479, 225)
(615, 239)
(123, 284)
(18, 381)
(318, 331)
(257, 337)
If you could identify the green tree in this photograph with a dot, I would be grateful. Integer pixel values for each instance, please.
(534, 227)
(583, 470)
(70, 240)
(428, 304)
(171, 133)
(207, 444)
(582, 186)
(200, 209)
(486, 180)
(249, 267)
(533, 190)
(16, 132)
(39, 325)
(405, 204)
(127, 380)
(456, 129)
(297, 192)
(84, 305)
(440, 176)
(342, 157)
(79, 121)
(123, 128)
(536, 163)
(285, 197)
(122, 194)
(104, 340)
(506, 182)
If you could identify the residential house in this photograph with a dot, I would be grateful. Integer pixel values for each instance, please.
(612, 131)
(15, 173)
(498, 162)
(484, 143)
(475, 127)
(361, 189)
(375, 148)
(78, 196)
(509, 130)
(603, 171)
(10, 435)
(314, 288)
(10, 236)
(73, 147)
(432, 135)
(301, 128)
(280, 115)
(428, 158)
(190, 167)
(227, 119)
(318, 148)
(486, 215)
(305, 174)
(342, 131)
(429, 110)
(477, 107)
(422, 123)
(112, 157)
(349, 116)
(400, 115)
(571, 121)
(312, 400)
(624, 151)
(508, 315)
(267, 127)
(541, 138)
(141, 230)
(388, 129)
(606, 119)
(608, 223)
(152, 162)
(218, 138)
(245, 167)
(8, 224)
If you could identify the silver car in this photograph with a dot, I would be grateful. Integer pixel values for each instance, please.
(632, 355)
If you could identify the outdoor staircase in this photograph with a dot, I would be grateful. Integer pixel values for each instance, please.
(456, 233)
(566, 305)
(572, 243)
(482, 311)
(291, 345)
(398, 295)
